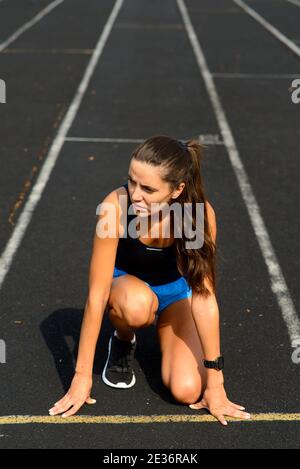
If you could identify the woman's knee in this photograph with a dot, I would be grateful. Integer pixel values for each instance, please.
(185, 390)
(136, 311)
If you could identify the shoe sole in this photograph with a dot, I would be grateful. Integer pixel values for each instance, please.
(119, 385)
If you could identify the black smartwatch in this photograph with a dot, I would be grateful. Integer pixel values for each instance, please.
(217, 364)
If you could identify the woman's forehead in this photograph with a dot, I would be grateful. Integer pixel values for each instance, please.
(146, 173)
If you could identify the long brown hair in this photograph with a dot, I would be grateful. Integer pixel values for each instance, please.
(182, 163)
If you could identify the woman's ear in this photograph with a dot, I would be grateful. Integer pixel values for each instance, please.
(178, 191)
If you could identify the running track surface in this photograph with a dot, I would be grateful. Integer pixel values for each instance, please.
(85, 83)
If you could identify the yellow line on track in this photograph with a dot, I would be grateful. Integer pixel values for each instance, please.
(141, 419)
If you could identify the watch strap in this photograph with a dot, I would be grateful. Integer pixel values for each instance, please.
(217, 364)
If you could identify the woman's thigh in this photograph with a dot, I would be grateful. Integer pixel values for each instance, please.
(133, 300)
(182, 369)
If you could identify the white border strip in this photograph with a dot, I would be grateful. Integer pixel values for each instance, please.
(274, 31)
(37, 190)
(278, 284)
(29, 24)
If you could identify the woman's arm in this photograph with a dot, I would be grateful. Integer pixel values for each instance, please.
(205, 313)
(100, 279)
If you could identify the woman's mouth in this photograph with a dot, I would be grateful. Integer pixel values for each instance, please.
(138, 207)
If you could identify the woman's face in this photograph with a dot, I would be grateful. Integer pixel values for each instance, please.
(146, 188)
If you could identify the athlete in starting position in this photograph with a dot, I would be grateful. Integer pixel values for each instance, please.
(157, 280)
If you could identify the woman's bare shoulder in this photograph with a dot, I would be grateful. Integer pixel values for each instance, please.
(113, 201)
(211, 216)
(114, 195)
(210, 209)
(121, 203)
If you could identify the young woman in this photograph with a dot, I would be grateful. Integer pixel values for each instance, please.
(156, 279)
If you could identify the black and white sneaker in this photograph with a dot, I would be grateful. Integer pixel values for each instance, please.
(118, 371)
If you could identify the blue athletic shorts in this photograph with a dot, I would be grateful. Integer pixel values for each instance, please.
(168, 292)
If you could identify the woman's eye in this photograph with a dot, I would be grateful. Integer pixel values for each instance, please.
(147, 190)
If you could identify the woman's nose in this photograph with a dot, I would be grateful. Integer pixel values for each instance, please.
(136, 197)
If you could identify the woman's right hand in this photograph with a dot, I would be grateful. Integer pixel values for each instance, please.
(78, 394)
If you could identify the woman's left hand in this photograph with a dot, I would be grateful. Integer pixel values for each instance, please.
(215, 400)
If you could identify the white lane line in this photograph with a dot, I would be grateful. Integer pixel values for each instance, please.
(274, 31)
(255, 76)
(278, 284)
(218, 10)
(294, 2)
(104, 140)
(161, 26)
(18, 50)
(208, 139)
(29, 24)
(37, 190)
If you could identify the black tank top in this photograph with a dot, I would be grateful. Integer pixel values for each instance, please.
(151, 264)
